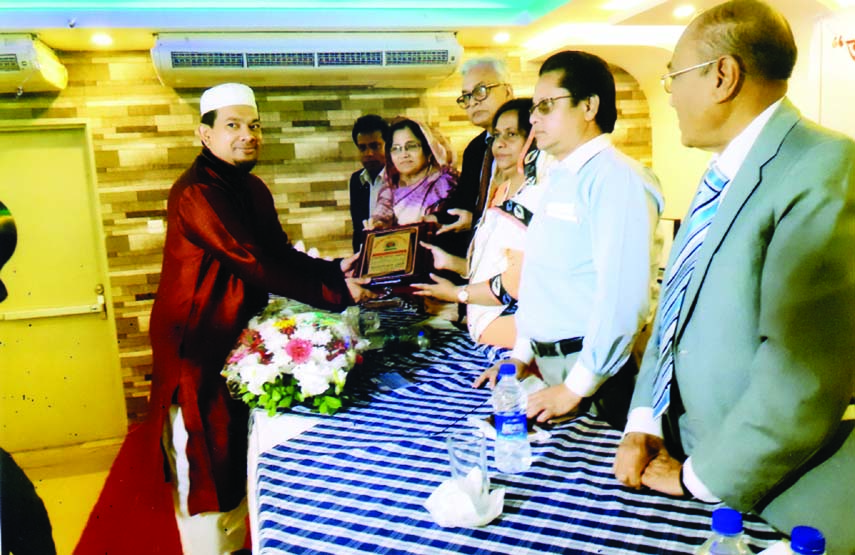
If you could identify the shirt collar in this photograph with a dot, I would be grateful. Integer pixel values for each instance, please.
(579, 157)
(734, 154)
(365, 178)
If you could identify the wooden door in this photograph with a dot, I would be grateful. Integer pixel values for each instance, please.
(60, 380)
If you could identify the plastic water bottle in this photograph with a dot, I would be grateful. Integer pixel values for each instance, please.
(805, 540)
(512, 449)
(727, 535)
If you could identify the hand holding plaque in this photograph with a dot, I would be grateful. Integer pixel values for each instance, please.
(394, 256)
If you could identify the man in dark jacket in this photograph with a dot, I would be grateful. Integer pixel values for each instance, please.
(369, 135)
(484, 89)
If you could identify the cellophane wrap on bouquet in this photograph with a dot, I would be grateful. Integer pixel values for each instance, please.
(292, 353)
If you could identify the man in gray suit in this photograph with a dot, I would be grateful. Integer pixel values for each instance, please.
(750, 370)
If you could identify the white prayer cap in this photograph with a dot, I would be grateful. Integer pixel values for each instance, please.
(227, 94)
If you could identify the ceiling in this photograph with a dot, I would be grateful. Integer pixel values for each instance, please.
(70, 24)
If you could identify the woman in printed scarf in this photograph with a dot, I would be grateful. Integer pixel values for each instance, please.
(419, 176)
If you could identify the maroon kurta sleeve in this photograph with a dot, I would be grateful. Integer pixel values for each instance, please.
(267, 262)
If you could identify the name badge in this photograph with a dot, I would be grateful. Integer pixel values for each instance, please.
(562, 211)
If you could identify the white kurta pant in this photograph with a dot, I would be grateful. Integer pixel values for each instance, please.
(210, 533)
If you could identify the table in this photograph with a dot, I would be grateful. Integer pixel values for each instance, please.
(356, 482)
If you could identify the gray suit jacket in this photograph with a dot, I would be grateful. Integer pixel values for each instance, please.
(765, 346)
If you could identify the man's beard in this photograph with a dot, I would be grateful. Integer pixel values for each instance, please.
(246, 165)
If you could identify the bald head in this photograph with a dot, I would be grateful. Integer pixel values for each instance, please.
(751, 31)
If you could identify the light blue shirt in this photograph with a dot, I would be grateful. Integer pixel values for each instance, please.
(589, 260)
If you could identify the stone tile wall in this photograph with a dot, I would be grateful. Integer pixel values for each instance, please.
(143, 137)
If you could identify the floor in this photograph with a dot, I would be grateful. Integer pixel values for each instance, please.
(68, 480)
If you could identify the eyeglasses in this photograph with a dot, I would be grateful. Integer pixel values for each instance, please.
(479, 93)
(507, 136)
(546, 105)
(409, 147)
(668, 78)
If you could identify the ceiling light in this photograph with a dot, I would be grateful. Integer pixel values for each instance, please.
(501, 37)
(684, 11)
(102, 39)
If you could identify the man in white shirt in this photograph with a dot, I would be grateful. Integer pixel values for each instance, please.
(749, 370)
(589, 251)
(369, 135)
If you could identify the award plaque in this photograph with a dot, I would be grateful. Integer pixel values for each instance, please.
(393, 256)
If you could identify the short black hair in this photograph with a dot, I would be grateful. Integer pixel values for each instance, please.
(209, 117)
(584, 75)
(522, 106)
(368, 124)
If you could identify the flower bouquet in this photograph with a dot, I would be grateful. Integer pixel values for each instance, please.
(292, 353)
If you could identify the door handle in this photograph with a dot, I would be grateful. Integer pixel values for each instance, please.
(53, 312)
(99, 306)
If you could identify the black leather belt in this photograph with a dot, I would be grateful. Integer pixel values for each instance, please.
(559, 348)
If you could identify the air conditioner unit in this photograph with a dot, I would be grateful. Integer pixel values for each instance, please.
(406, 59)
(27, 64)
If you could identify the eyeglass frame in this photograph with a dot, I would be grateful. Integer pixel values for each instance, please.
(539, 107)
(409, 146)
(465, 99)
(668, 78)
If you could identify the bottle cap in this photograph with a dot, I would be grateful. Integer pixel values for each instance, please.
(507, 370)
(727, 521)
(807, 541)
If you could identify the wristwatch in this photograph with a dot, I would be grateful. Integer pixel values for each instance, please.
(462, 295)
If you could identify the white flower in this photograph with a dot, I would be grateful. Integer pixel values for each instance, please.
(313, 380)
(322, 337)
(273, 337)
(340, 361)
(255, 374)
(281, 360)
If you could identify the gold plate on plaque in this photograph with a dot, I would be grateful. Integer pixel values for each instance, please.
(394, 255)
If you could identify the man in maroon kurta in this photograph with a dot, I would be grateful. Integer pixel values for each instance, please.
(225, 251)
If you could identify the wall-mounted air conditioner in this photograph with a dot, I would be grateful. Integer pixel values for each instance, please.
(26, 65)
(406, 59)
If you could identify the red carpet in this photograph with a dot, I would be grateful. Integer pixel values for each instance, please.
(134, 514)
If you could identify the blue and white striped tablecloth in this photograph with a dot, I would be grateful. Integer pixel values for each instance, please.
(357, 482)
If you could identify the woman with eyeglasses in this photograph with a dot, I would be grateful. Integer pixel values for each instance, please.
(495, 254)
(419, 176)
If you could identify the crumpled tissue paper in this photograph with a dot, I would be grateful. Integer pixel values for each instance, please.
(457, 502)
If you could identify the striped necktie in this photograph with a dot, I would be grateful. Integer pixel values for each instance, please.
(677, 279)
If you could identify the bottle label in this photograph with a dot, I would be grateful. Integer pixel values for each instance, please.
(511, 425)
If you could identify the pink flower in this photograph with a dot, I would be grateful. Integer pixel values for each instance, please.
(237, 355)
(299, 350)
